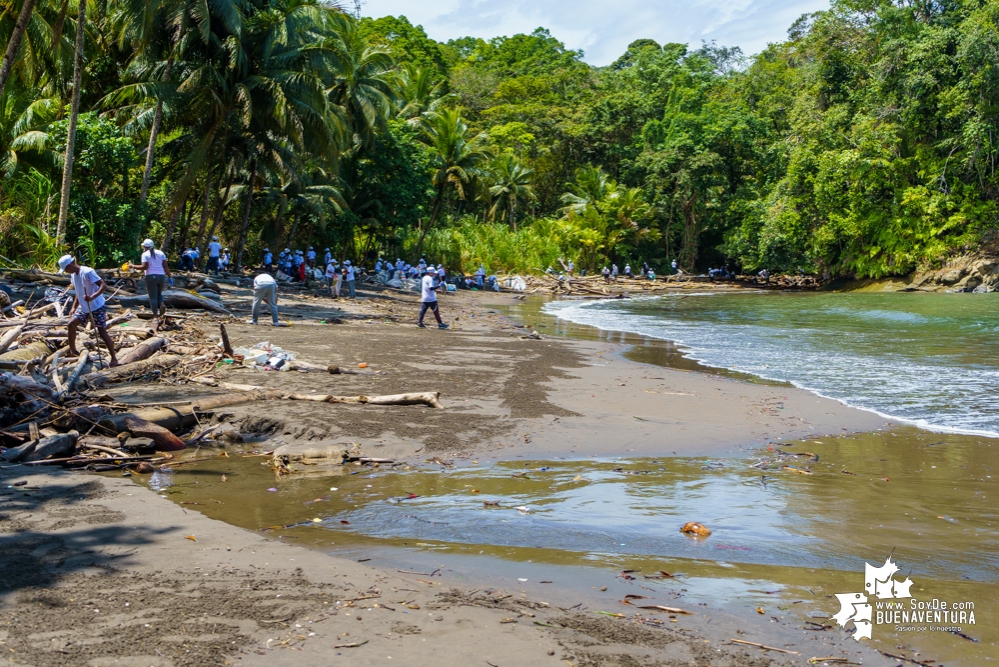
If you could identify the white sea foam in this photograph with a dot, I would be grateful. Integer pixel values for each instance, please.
(890, 361)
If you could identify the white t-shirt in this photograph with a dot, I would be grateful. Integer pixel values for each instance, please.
(88, 281)
(263, 280)
(350, 273)
(214, 248)
(330, 270)
(427, 284)
(156, 260)
(311, 254)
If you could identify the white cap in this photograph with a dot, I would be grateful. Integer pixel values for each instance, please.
(346, 262)
(267, 249)
(65, 261)
(215, 238)
(310, 247)
(327, 250)
(287, 250)
(148, 243)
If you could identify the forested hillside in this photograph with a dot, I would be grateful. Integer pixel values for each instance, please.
(865, 144)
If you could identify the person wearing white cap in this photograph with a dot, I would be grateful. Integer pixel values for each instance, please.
(311, 256)
(429, 299)
(154, 264)
(88, 288)
(348, 271)
(480, 276)
(328, 257)
(214, 252)
(268, 259)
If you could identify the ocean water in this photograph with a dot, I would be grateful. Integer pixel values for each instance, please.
(927, 359)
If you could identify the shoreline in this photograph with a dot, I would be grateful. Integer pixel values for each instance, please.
(511, 388)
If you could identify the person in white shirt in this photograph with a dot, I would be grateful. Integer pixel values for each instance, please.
(480, 276)
(88, 289)
(378, 265)
(154, 264)
(349, 277)
(328, 257)
(311, 256)
(265, 291)
(214, 253)
(441, 277)
(268, 258)
(571, 268)
(429, 300)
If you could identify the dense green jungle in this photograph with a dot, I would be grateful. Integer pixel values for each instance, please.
(863, 145)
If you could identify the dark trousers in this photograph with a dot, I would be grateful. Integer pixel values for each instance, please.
(155, 284)
(430, 305)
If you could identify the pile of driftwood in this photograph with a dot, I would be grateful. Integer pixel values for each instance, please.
(52, 411)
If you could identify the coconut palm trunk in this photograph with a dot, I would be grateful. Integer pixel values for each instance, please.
(14, 43)
(433, 218)
(247, 205)
(218, 215)
(205, 209)
(153, 134)
(67, 168)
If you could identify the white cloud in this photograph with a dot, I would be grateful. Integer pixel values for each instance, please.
(604, 29)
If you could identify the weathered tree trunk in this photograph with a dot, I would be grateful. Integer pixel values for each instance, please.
(294, 228)
(14, 43)
(67, 167)
(247, 206)
(151, 149)
(205, 209)
(218, 217)
(55, 445)
(143, 350)
(433, 218)
(169, 231)
(279, 221)
(138, 369)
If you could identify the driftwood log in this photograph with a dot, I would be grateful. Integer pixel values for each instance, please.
(163, 439)
(54, 445)
(143, 350)
(8, 338)
(428, 398)
(129, 371)
(80, 363)
(176, 299)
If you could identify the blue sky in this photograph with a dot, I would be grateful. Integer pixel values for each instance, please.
(604, 28)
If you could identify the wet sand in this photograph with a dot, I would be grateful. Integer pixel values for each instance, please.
(101, 570)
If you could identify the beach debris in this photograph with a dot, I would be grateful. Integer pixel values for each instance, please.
(191, 537)
(760, 610)
(694, 528)
(163, 439)
(523, 509)
(762, 646)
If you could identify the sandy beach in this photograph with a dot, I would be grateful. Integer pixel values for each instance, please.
(103, 570)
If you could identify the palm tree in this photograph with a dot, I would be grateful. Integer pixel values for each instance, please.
(418, 91)
(362, 85)
(67, 165)
(511, 182)
(14, 43)
(456, 156)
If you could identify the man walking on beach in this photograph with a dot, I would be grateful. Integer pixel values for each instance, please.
(429, 300)
(265, 291)
(89, 294)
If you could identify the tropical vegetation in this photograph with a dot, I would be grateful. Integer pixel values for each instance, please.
(865, 144)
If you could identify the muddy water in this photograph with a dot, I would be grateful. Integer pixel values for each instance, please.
(782, 540)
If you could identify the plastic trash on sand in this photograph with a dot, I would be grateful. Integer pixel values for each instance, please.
(266, 355)
(516, 283)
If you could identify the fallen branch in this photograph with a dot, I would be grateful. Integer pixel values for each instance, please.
(80, 363)
(762, 646)
(428, 398)
(106, 450)
(9, 338)
(56, 380)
